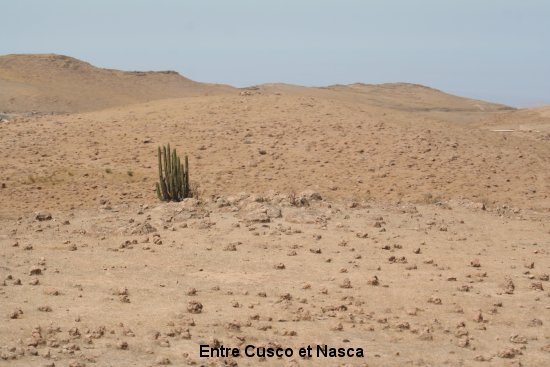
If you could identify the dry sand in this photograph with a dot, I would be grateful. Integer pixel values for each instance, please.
(429, 247)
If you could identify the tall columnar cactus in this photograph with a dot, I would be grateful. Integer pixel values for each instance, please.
(173, 182)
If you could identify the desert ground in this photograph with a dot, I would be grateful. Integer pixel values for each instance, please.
(394, 218)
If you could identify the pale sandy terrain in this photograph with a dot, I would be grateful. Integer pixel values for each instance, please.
(430, 245)
(55, 83)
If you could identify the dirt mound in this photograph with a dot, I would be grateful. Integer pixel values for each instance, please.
(55, 83)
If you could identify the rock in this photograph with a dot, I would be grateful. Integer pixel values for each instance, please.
(143, 229)
(260, 212)
(305, 198)
(42, 216)
(122, 345)
(508, 286)
(518, 339)
(508, 353)
(346, 284)
(481, 358)
(162, 361)
(478, 317)
(463, 342)
(194, 307)
(16, 314)
(534, 323)
(35, 270)
(230, 247)
(373, 281)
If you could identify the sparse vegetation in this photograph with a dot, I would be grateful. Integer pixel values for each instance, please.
(173, 182)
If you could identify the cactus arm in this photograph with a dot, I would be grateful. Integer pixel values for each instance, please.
(186, 177)
(172, 178)
(159, 195)
(177, 177)
(165, 176)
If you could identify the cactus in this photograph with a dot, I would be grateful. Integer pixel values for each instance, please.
(173, 182)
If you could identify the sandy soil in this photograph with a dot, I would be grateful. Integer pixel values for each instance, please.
(393, 218)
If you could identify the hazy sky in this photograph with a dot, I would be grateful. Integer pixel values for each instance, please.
(496, 50)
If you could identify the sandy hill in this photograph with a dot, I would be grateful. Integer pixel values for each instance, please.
(402, 96)
(263, 141)
(55, 83)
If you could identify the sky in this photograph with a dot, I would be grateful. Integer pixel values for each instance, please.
(495, 50)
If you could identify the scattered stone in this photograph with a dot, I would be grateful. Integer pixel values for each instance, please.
(482, 358)
(122, 345)
(518, 339)
(16, 314)
(534, 323)
(475, 263)
(463, 342)
(42, 216)
(478, 317)
(509, 286)
(230, 247)
(373, 281)
(346, 283)
(35, 270)
(51, 291)
(194, 307)
(162, 361)
(508, 353)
